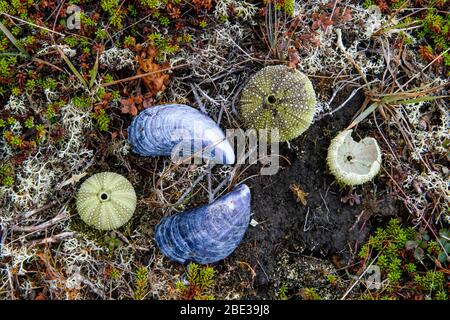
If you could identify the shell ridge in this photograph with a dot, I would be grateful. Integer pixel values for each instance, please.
(208, 233)
(160, 132)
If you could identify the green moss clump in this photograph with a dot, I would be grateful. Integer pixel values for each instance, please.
(288, 7)
(5, 65)
(116, 14)
(141, 283)
(6, 176)
(282, 292)
(436, 31)
(102, 119)
(151, 4)
(200, 282)
(401, 257)
(311, 294)
(82, 102)
(163, 45)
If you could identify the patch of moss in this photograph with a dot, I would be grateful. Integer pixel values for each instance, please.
(6, 63)
(83, 102)
(141, 283)
(401, 256)
(311, 294)
(6, 175)
(114, 11)
(282, 292)
(98, 236)
(200, 280)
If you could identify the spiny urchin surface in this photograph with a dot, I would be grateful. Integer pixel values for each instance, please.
(106, 201)
(352, 162)
(277, 97)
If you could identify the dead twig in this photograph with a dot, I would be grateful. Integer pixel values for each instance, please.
(62, 215)
(82, 279)
(30, 213)
(52, 239)
(139, 76)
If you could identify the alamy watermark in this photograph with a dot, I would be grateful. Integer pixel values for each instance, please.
(74, 17)
(243, 146)
(373, 277)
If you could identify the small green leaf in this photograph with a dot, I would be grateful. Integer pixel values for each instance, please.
(13, 39)
(442, 257)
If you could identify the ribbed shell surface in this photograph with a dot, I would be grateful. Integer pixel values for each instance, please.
(206, 234)
(157, 130)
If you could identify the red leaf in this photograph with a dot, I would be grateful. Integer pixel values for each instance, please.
(133, 110)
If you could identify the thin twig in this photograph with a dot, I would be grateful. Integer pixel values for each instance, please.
(305, 229)
(143, 75)
(197, 99)
(354, 92)
(62, 215)
(359, 278)
(418, 73)
(30, 213)
(52, 239)
(32, 24)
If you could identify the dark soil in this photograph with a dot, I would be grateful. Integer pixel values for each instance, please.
(323, 227)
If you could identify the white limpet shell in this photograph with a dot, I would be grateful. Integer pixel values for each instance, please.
(352, 162)
(106, 201)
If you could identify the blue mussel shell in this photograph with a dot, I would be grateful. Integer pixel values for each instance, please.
(206, 234)
(179, 129)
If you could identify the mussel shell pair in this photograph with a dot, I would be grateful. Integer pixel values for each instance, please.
(206, 234)
(211, 232)
(179, 131)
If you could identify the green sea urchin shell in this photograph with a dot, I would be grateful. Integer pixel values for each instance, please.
(278, 97)
(106, 201)
(352, 162)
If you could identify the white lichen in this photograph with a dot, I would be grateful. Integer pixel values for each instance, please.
(118, 58)
(427, 138)
(18, 256)
(67, 50)
(40, 172)
(16, 105)
(242, 9)
(432, 137)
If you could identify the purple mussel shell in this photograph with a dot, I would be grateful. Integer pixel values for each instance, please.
(206, 234)
(181, 131)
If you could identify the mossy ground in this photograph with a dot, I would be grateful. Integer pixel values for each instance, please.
(67, 97)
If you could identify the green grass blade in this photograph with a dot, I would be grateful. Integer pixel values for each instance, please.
(13, 39)
(364, 115)
(72, 68)
(421, 99)
(93, 73)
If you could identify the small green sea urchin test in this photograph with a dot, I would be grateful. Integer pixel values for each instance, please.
(352, 162)
(106, 201)
(278, 97)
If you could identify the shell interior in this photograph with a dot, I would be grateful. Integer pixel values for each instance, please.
(354, 162)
